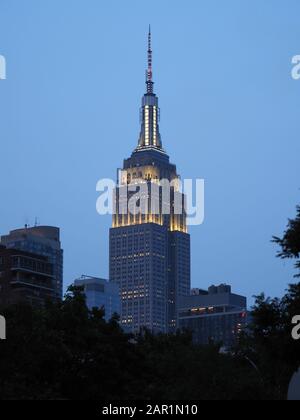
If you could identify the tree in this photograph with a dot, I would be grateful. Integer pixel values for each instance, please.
(290, 243)
(64, 351)
(268, 342)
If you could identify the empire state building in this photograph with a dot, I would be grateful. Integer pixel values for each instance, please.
(149, 243)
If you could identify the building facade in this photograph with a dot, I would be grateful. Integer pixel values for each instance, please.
(101, 293)
(216, 315)
(149, 242)
(25, 277)
(43, 241)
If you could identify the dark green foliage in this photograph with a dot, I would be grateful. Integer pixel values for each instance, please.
(290, 243)
(65, 351)
(269, 342)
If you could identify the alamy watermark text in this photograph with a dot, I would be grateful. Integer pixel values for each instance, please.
(157, 197)
(296, 329)
(2, 328)
(296, 67)
(2, 67)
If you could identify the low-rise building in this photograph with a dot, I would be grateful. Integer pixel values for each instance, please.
(214, 316)
(100, 293)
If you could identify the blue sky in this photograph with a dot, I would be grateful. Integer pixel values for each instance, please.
(69, 114)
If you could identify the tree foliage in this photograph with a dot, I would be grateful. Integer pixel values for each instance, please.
(66, 352)
(269, 344)
(290, 242)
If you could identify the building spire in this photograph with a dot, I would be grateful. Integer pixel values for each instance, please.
(149, 73)
(150, 113)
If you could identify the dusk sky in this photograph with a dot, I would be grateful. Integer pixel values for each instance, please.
(69, 113)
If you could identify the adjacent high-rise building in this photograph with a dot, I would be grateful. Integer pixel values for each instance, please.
(149, 242)
(43, 241)
(25, 277)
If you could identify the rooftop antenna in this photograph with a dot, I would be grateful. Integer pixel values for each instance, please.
(149, 72)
